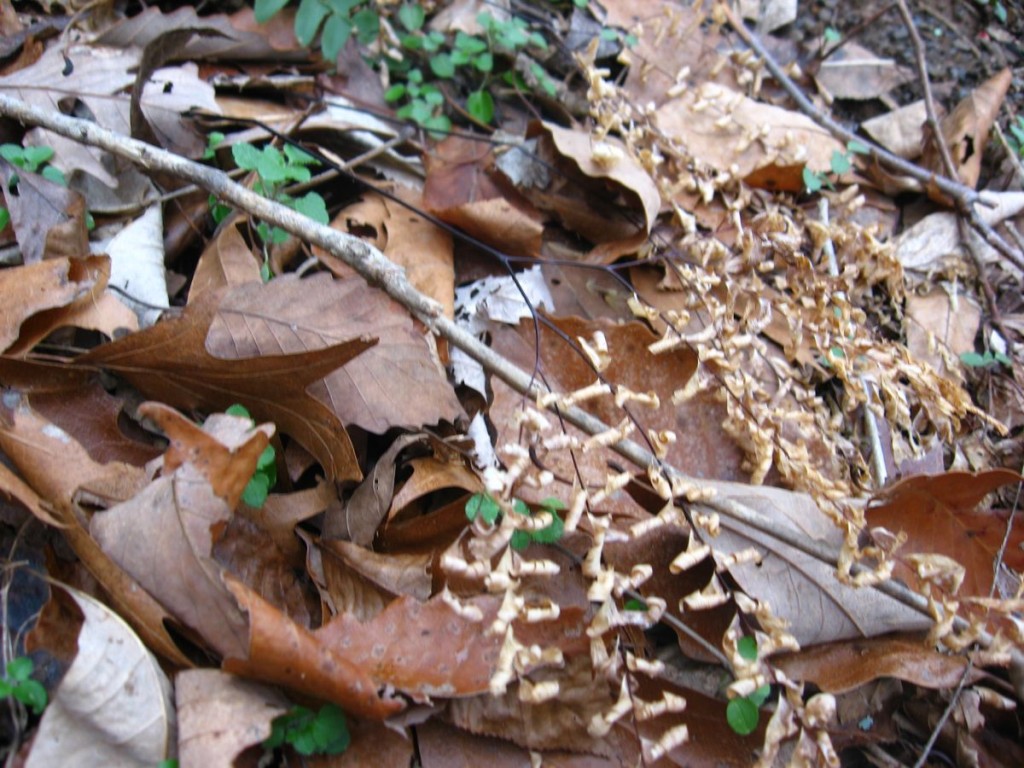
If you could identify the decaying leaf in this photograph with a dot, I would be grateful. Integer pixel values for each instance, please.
(114, 705)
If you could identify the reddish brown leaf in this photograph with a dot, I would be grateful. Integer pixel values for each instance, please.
(702, 449)
(164, 536)
(170, 362)
(48, 219)
(937, 512)
(281, 652)
(461, 190)
(225, 261)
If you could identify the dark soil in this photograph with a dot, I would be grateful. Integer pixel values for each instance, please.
(965, 44)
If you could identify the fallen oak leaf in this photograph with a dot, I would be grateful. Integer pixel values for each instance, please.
(170, 362)
(938, 514)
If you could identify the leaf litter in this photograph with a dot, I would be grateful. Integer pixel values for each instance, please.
(661, 262)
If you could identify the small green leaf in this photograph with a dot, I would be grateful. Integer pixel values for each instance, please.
(973, 360)
(299, 156)
(239, 410)
(5, 218)
(394, 93)
(484, 506)
(32, 694)
(265, 9)
(266, 458)
(747, 647)
(537, 39)
(256, 490)
(469, 44)
(551, 533)
(812, 181)
(412, 16)
(832, 35)
(278, 236)
(484, 62)
(635, 605)
(90, 222)
(171, 762)
(271, 165)
(13, 154)
(520, 540)
(480, 105)
(1003, 359)
(20, 669)
(631, 40)
(367, 24)
(337, 30)
(308, 19)
(519, 507)
(312, 205)
(858, 148)
(608, 34)
(840, 162)
(330, 730)
(758, 697)
(265, 274)
(442, 65)
(37, 156)
(54, 174)
(438, 125)
(432, 96)
(552, 504)
(742, 716)
(1000, 12)
(246, 156)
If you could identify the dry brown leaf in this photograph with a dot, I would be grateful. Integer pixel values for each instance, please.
(397, 383)
(937, 512)
(48, 219)
(283, 511)
(282, 652)
(900, 131)
(966, 130)
(787, 139)
(938, 319)
(225, 261)
(393, 575)
(461, 190)
(854, 72)
(702, 448)
(609, 160)
(37, 297)
(362, 513)
(421, 248)
(170, 362)
(801, 589)
(841, 667)
(164, 536)
(220, 715)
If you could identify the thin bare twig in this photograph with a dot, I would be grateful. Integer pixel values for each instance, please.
(377, 270)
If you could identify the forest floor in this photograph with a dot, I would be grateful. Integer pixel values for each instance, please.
(512, 383)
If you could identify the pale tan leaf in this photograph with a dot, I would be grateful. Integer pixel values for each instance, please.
(113, 707)
(220, 715)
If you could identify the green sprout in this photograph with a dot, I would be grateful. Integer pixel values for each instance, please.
(484, 506)
(265, 476)
(324, 732)
(18, 683)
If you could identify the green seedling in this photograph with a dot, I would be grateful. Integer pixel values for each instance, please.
(1016, 139)
(324, 732)
(275, 169)
(484, 506)
(840, 163)
(334, 20)
(974, 360)
(743, 713)
(265, 476)
(34, 160)
(18, 683)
